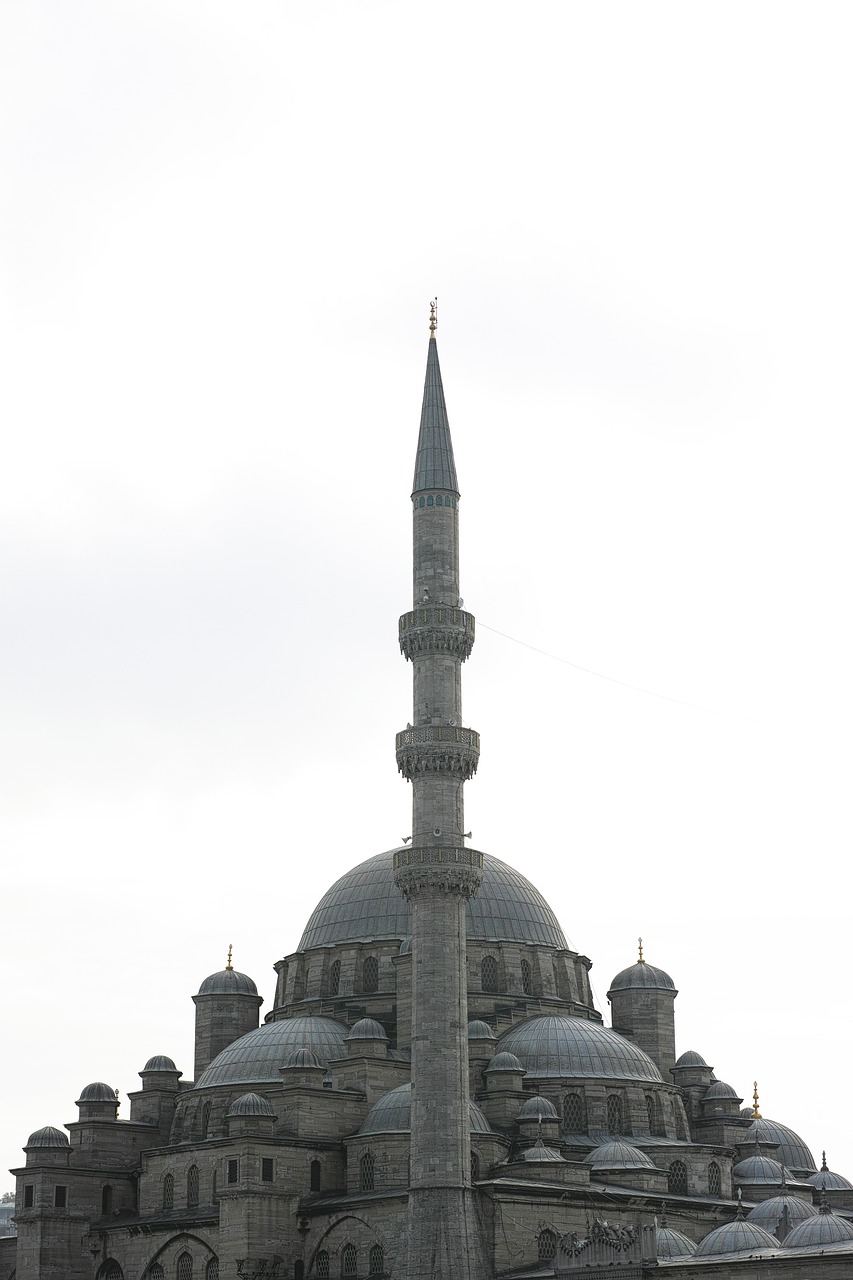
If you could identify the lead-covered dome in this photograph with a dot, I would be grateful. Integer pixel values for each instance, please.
(823, 1230)
(736, 1237)
(48, 1136)
(97, 1092)
(560, 1046)
(258, 1056)
(771, 1213)
(251, 1104)
(793, 1152)
(393, 1114)
(228, 982)
(365, 904)
(642, 976)
(160, 1062)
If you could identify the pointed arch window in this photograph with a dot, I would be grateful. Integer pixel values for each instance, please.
(677, 1178)
(185, 1267)
(429, 500)
(323, 1265)
(715, 1181)
(475, 1166)
(316, 1175)
(377, 1260)
(205, 1120)
(192, 1186)
(168, 1192)
(526, 978)
(349, 1260)
(334, 977)
(155, 1272)
(367, 1171)
(370, 980)
(106, 1201)
(489, 973)
(546, 1243)
(112, 1271)
(212, 1271)
(574, 1113)
(614, 1114)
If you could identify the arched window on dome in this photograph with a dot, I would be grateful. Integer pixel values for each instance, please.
(546, 1243)
(349, 1261)
(367, 1171)
(168, 1192)
(526, 978)
(677, 1178)
(614, 1114)
(155, 1272)
(653, 1110)
(574, 1113)
(106, 1201)
(715, 1180)
(334, 977)
(370, 975)
(205, 1120)
(475, 1166)
(489, 973)
(323, 1265)
(377, 1260)
(185, 1267)
(212, 1271)
(192, 1186)
(316, 1175)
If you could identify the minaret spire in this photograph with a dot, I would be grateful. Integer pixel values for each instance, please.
(436, 872)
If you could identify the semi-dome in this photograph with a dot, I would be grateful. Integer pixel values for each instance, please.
(823, 1229)
(618, 1155)
(826, 1180)
(393, 1114)
(739, 1236)
(540, 1154)
(478, 1030)
(560, 1046)
(48, 1137)
(793, 1152)
(228, 982)
(642, 976)
(537, 1108)
(368, 1029)
(250, 1104)
(160, 1063)
(690, 1058)
(771, 1213)
(365, 904)
(97, 1092)
(257, 1056)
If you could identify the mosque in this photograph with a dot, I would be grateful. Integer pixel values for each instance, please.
(433, 1093)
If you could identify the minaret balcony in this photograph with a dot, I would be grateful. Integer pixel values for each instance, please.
(449, 870)
(438, 748)
(437, 629)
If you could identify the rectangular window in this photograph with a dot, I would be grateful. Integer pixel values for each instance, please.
(233, 1170)
(29, 1197)
(266, 1171)
(60, 1197)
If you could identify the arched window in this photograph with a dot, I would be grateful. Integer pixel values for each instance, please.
(371, 975)
(650, 1112)
(185, 1267)
(106, 1200)
(715, 1181)
(316, 1175)
(298, 1269)
(489, 973)
(420, 502)
(475, 1166)
(429, 500)
(334, 977)
(205, 1120)
(349, 1260)
(192, 1186)
(377, 1260)
(111, 1271)
(155, 1272)
(614, 1114)
(547, 1245)
(367, 1170)
(168, 1192)
(526, 978)
(574, 1113)
(677, 1178)
(322, 1256)
(212, 1271)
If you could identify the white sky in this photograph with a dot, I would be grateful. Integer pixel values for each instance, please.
(221, 226)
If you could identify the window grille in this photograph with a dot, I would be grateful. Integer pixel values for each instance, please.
(526, 978)
(489, 973)
(29, 1196)
(112, 1271)
(677, 1178)
(266, 1169)
(349, 1260)
(715, 1181)
(574, 1120)
(168, 1192)
(60, 1197)
(334, 977)
(212, 1272)
(205, 1119)
(475, 1166)
(650, 1112)
(547, 1245)
(371, 975)
(155, 1272)
(233, 1170)
(192, 1186)
(323, 1265)
(185, 1267)
(367, 1170)
(377, 1260)
(614, 1114)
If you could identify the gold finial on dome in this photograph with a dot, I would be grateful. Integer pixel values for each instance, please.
(640, 959)
(756, 1114)
(229, 965)
(433, 317)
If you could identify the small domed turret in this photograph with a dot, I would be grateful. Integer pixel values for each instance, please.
(641, 998)
(48, 1137)
(226, 1007)
(160, 1063)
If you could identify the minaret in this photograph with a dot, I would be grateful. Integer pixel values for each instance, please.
(436, 872)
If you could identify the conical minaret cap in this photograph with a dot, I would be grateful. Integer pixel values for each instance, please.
(434, 465)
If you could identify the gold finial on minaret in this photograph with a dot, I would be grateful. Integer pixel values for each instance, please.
(229, 965)
(756, 1114)
(640, 960)
(433, 317)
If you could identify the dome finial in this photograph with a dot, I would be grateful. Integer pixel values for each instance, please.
(824, 1166)
(229, 965)
(433, 317)
(640, 959)
(756, 1114)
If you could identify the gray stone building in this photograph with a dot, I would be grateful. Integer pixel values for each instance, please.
(433, 1092)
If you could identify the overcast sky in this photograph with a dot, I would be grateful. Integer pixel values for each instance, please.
(221, 228)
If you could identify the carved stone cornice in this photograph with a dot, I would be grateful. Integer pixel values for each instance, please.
(421, 870)
(436, 629)
(438, 748)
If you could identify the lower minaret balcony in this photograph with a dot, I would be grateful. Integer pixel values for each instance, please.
(423, 869)
(438, 748)
(437, 629)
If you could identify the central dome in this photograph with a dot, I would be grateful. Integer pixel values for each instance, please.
(365, 905)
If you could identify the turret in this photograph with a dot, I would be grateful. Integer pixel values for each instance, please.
(641, 999)
(227, 1006)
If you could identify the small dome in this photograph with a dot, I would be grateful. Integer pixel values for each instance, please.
(673, 1244)
(393, 1114)
(540, 1154)
(690, 1058)
(303, 1058)
(160, 1063)
(818, 1232)
(258, 1055)
(504, 1062)
(228, 982)
(478, 1030)
(719, 1089)
(759, 1171)
(97, 1092)
(250, 1104)
(367, 1029)
(48, 1137)
(770, 1213)
(826, 1180)
(560, 1046)
(739, 1236)
(537, 1109)
(793, 1152)
(642, 976)
(618, 1155)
